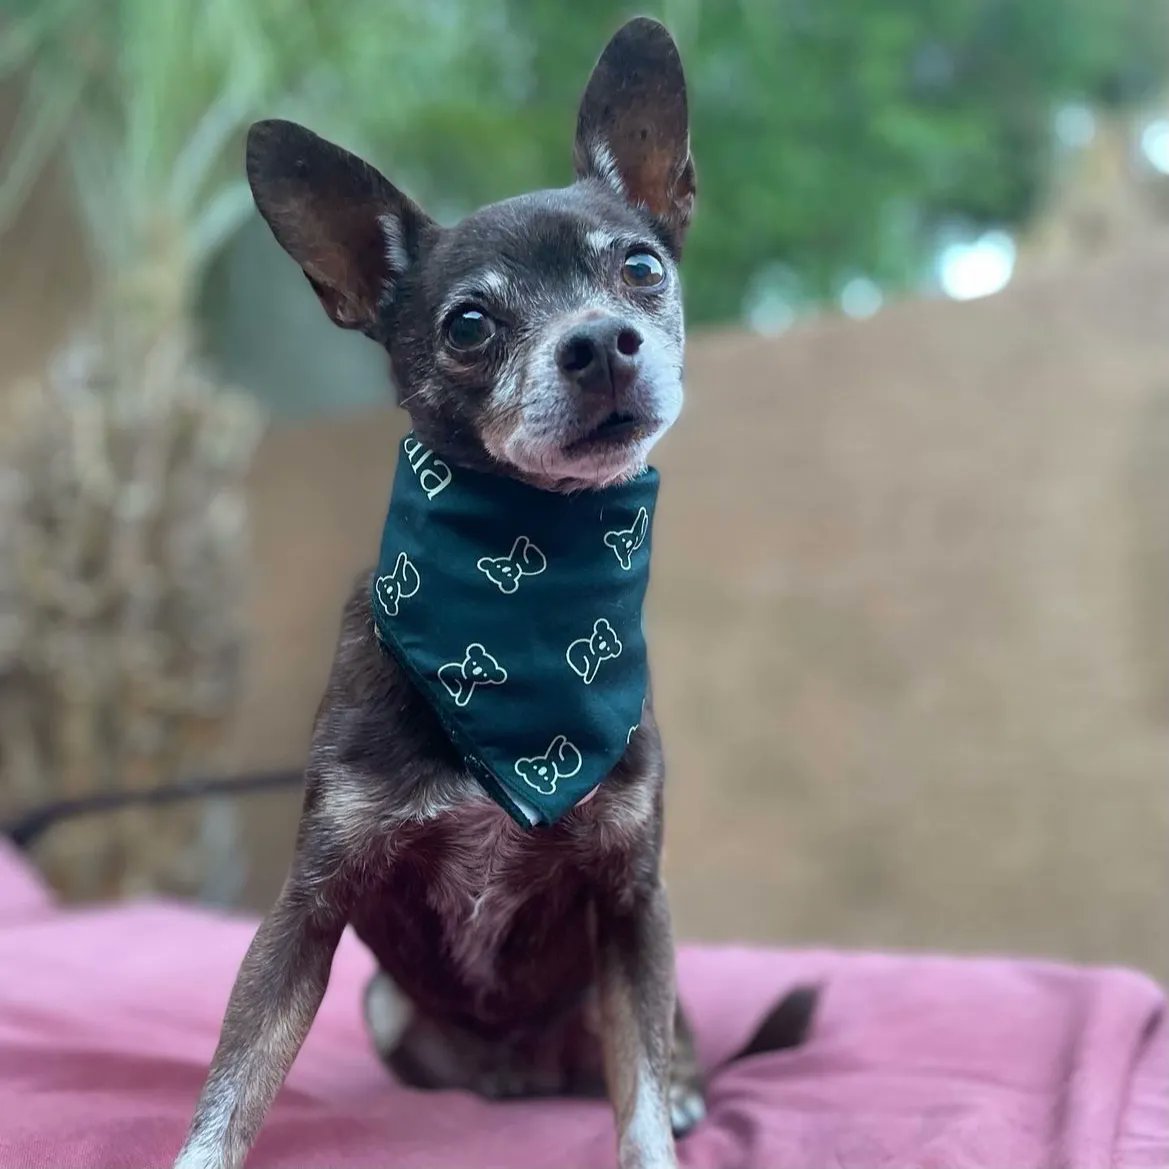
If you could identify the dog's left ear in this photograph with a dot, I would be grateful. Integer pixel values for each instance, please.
(633, 129)
(350, 229)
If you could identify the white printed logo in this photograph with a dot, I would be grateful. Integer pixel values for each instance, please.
(586, 654)
(524, 559)
(629, 737)
(625, 542)
(478, 668)
(403, 582)
(561, 761)
(433, 478)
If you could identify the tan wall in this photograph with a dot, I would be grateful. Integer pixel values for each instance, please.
(909, 615)
(909, 621)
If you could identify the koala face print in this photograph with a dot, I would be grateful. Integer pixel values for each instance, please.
(561, 761)
(626, 541)
(604, 642)
(398, 585)
(586, 654)
(502, 572)
(538, 773)
(478, 668)
(524, 559)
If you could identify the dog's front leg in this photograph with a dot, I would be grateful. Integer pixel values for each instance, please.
(635, 951)
(274, 1001)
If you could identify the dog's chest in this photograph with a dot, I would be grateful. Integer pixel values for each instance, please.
(483, 868)
(480, 916)
(474, 905)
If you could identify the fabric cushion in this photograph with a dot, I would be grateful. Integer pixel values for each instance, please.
(108, 1018)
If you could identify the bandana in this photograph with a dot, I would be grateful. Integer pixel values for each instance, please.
(517, 613)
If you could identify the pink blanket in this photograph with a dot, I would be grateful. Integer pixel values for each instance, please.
(108, 1018)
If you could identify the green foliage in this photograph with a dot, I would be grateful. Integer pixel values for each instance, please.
(147, 102)
(832, 136)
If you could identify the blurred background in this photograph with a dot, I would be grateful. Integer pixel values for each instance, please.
(923, 699)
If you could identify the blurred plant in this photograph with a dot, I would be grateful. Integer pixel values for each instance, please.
(122, 583)
(147, 102)
(832, 137)
(140, 101)
(122, 562)
(122, 574)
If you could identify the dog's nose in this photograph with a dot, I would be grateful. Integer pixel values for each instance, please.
(600, 356)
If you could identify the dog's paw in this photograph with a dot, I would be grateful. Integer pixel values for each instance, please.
(387, 1014)
(687, 1107)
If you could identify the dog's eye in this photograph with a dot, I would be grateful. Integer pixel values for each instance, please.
(469, 328)
(642, 270)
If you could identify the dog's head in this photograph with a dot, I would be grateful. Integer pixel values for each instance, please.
(541, 336)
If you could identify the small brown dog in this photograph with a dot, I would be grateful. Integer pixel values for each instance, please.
(537, 342)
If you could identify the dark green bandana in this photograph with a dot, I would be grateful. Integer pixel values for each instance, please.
(517, 612)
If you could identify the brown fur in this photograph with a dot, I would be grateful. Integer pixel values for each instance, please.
(525, 961)
(531, 961)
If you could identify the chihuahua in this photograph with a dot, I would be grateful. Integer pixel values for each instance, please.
(540, 340)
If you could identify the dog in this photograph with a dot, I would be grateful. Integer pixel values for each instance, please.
(540, 339)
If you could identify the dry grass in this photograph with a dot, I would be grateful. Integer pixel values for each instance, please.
(123, 555)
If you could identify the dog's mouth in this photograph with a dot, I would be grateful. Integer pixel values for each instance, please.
(618, 429)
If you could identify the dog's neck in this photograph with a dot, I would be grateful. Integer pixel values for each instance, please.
(460, 449)
(518, 614)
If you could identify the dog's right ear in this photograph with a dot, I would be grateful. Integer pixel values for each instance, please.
(351, 230)
(633, 130)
